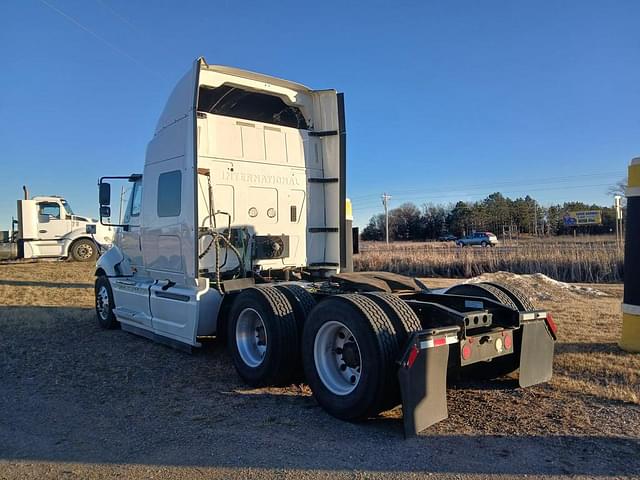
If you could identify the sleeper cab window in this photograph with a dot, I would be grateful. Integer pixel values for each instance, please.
(169, 193)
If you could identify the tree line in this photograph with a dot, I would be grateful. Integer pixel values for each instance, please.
(496, 213)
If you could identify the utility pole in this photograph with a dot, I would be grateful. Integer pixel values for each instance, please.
(121, 202)
(385, 203)
(535, 218)
(618, 206)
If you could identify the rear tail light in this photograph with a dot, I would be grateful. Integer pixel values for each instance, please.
(466, 351)
(553, 328)
(508, 341)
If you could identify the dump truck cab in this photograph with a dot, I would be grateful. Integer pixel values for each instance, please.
(239, 228)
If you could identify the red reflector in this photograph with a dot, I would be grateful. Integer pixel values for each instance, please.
(439, 341)
(412, 356)
(466, 352)
(552, 325)
(507, 341)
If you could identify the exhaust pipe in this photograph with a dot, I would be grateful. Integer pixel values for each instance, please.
(26, 192)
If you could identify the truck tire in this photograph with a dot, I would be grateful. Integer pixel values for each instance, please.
(483, 290)
(301, 301)
(484, 244)
(349, 349)
(83, 250)
(105, 304)
(523, 302)
(263, 337)
(403, 319)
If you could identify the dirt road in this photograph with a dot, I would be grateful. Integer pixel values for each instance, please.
(80, 402)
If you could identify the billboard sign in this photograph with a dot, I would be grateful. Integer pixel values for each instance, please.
(587, 217)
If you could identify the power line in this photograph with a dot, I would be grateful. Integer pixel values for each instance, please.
(538, 181)
(480, 190)
(99, 37)
(454, 194)
(120, 17)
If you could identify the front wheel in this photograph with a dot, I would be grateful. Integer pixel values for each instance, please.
(484, 244)
(105, 304)
(84, 250)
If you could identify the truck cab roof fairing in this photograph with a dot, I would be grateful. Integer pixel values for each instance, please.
(182, 98)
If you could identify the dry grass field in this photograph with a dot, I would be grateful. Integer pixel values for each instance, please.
(588, 259)
(80, 402)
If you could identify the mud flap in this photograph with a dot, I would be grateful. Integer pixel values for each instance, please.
(423, 383)
(536, 354)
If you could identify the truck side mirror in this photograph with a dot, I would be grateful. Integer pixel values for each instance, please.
(105, 211)
(105, 195)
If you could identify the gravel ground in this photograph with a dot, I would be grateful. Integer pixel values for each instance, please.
(80, 402)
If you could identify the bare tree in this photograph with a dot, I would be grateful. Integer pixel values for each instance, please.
(618, 188)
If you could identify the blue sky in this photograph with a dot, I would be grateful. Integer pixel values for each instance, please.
(445, 100)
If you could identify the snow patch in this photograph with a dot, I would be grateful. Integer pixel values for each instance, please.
(538, 285)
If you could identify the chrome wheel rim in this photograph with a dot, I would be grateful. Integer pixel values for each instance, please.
(337, 358)
(251, 337)
(84, 250)
(102, 302)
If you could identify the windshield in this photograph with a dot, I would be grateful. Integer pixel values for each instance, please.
(67, 207)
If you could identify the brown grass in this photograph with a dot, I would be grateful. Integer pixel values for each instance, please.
(580, 261)
(65, 383)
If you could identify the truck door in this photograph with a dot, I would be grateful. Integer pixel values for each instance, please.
(132, 293)
(52, 227)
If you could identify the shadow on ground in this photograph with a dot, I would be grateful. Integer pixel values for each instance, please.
(28, 283)
(584, 347)
(74, 393)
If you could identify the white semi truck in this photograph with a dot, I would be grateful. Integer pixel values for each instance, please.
(239, 228)
(47, 227)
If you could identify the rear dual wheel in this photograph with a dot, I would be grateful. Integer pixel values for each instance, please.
(263, 337)
(349, 345)
(349, 348)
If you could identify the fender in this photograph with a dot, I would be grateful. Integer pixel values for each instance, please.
(113, 263)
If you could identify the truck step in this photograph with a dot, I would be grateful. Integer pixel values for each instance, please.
(326, 133)
(323, 180)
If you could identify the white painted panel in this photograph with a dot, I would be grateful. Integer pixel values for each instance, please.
(252, 141)
(223, 201)
(174, 317)
(295, 148)
(225, 139)
(275, 145)
(265, 201)
(163, 253)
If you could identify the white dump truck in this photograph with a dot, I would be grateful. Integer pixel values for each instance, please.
(239, 228)
(47, 227)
